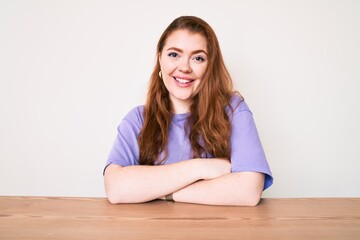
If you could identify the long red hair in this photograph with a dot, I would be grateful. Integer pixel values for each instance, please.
(208, 123)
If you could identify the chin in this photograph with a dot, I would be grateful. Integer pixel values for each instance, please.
(183, 97)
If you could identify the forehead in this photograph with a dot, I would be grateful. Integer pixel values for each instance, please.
(186, 41)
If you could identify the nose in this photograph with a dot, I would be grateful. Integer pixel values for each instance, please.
(184, 66)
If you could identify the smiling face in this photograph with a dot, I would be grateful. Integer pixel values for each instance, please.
(183, 63)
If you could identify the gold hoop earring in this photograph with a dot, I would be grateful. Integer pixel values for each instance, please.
(160, 74)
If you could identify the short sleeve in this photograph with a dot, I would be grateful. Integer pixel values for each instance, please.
(247, 154)
(125, 149)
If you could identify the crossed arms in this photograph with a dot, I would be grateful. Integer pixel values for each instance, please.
(201, 181)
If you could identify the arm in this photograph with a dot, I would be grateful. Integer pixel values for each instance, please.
(134, 184)
(238, 188)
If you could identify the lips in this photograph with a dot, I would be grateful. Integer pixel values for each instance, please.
(183, 80)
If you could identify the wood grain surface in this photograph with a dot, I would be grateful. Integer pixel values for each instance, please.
(94, 218)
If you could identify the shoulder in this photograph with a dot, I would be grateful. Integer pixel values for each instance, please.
(135, 114)
(135, 117)
(238, 104)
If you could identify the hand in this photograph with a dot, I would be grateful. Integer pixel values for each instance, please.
(214, 167)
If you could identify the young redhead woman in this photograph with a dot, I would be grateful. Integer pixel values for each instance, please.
(195, 139)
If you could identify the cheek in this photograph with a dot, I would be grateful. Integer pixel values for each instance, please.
(166, 66)
(200, 71)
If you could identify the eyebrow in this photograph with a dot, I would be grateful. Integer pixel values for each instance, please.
(181, 51)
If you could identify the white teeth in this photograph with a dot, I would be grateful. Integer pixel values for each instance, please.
(182, 80)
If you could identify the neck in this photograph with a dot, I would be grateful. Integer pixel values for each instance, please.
(180, 107)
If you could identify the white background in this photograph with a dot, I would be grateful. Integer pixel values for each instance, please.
(70, 71)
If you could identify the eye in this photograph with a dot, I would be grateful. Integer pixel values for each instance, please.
(173, 54)
(199, 59)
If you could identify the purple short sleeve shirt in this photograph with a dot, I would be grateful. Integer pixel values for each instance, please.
(247, 154)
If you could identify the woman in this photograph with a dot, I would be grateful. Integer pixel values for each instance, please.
(195, 139)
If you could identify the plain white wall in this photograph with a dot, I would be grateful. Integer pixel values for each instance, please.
(70, 70)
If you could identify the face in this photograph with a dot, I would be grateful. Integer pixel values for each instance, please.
(183, 63)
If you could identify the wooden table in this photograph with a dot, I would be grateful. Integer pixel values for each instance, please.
(94, 218)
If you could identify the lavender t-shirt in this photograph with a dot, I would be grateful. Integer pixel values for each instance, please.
(247, 154)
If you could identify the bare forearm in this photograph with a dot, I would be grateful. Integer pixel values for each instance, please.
(243, 189)
(144, 183)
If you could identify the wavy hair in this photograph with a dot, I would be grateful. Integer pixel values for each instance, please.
(208, 123)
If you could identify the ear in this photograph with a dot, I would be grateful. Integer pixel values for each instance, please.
(159, 59)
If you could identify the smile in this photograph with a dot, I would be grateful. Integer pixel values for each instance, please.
(183, 81)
